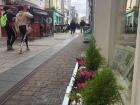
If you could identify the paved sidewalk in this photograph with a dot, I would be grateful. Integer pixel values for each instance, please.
(48, 85)
(12, 58)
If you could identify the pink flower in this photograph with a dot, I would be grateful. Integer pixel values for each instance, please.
(82, 74)
(81, 85)
(86, 74)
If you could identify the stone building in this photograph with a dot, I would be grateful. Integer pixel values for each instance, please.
(117, 33)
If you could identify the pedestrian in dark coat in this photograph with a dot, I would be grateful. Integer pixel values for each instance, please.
(72, 26)
(82, 24)
(11, 34)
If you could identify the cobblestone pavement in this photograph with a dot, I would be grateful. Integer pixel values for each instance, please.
(10, 59)
(48, 85)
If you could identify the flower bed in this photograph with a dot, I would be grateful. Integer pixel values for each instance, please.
(81, 77)
(89, 85)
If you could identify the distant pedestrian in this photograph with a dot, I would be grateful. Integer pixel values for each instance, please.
(22, 18)
(82, 24)
(11, 35)
(73, 26)
(67, 28)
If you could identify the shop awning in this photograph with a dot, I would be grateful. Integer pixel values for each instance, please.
(42, 13)
(39, 11)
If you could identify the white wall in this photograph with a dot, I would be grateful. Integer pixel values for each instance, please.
(136, 77)
(102, 25)
(108, 25)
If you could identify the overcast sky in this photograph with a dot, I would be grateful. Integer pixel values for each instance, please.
(80, 6)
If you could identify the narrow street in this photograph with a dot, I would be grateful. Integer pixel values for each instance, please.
(48, 84)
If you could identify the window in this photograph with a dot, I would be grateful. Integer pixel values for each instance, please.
(131, 16)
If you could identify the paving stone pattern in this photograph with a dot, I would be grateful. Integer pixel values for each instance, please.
(9, 59)
(48, 85)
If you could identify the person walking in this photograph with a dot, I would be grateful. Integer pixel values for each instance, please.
(72, 26)
(11, 34)
(22, 18)
(82, 24)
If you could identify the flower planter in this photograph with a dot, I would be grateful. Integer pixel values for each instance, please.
(77, 82)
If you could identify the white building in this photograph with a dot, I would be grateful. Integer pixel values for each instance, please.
(117, 35)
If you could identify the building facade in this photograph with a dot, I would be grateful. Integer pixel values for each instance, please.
(66, 10)
(116, 30)
(56, 4)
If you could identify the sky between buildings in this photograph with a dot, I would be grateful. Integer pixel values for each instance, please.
(80, 6)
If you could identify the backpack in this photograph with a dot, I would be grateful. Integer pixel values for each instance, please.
(3, 21)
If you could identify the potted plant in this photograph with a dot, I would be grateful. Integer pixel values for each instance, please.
(93, 57)
(102, 90)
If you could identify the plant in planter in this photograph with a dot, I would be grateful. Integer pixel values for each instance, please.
(102, 90)
(93, 57)
(75, 98)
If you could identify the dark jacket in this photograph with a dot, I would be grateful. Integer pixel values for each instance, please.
(73, 25)
(10, 17)
(82, 23)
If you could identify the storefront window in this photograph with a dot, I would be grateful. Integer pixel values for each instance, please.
(131, 17)
(130, 75)
(123, 60)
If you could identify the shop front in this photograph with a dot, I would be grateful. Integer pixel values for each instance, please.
(57, 19)
(38, 23)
